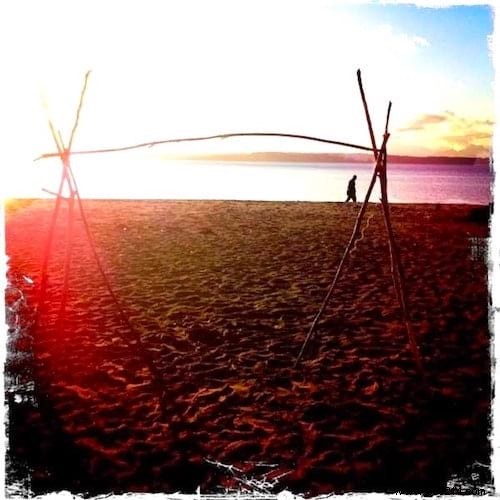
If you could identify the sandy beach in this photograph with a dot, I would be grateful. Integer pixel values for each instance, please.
(222, 295)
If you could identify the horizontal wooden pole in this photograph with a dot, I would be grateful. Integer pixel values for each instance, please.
(210, 137)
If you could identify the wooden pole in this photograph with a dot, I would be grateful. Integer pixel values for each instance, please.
(395, 277)
(70, 218)
(367, 113)
(78, 110)
(50, 236)
(208, 138)
(396, 266)
(156, 376)
(349, 247)
(69, 248)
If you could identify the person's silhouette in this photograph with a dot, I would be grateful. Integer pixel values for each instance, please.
(351, 190)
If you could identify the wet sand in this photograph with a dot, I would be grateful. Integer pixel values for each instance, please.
(222, 295)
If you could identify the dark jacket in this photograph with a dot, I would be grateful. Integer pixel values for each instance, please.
(351, 188)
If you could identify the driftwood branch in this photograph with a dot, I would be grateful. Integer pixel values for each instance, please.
(387, 117)
(348, 249)
(207, 138)
(156, 376)
(397, 269)
(367, 114)
(50, 236)
(67, 262)
(79, 109)
(53, 193)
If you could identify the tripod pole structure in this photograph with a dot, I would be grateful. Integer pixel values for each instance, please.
(68, 178)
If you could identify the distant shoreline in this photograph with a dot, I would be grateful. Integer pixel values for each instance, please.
(275, 156)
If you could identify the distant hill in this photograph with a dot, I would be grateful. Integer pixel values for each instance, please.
(275, 156)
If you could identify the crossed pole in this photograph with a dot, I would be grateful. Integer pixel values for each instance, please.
(379, 171)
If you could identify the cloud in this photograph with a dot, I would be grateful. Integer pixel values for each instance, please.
(422, 122)
(472, 150)
(400, 42)
(453, 121)
(449, 133)
(467, 139)
(420, 40)
(488, 123)
(471, 142)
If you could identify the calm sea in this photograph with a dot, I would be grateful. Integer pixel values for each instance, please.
(407, 183)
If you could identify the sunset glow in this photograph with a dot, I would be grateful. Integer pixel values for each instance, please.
(173, 69)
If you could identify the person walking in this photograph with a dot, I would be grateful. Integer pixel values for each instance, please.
(351, 190)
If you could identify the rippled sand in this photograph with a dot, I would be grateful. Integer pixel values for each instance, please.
(223, 294)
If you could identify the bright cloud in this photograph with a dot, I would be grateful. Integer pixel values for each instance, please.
(450, 133)
(424, 120)
(404, 43)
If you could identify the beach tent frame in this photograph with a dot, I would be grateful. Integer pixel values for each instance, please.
(64, 152)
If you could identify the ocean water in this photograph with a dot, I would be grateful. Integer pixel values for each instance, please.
(407, 183)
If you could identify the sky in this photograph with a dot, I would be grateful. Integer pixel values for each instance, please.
(162, 69)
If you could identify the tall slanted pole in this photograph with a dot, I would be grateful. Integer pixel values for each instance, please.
(396, 266)
(71, 205)
(349, 247)
(50, 236)
(367, 113)
(67, 258)
(156, 376)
